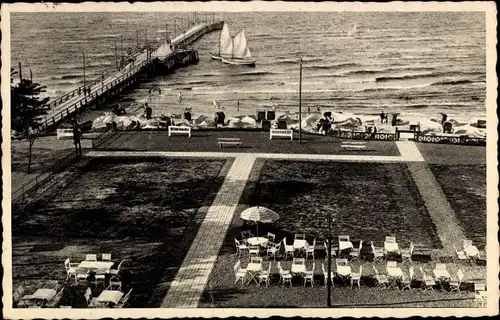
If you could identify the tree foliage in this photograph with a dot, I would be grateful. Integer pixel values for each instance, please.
(27, 106)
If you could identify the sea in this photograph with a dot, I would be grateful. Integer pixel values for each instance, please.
(419, 63)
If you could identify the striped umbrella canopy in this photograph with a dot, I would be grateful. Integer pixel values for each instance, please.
(259, 214)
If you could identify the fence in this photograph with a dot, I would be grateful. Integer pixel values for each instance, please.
(461, 140)
(359, 135)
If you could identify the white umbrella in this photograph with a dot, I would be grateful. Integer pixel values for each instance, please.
(259, 214)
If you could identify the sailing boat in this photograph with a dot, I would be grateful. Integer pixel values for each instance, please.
(234, 50)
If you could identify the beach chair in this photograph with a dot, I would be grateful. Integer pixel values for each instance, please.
(309, 275)
(381, 280)
(325, 275)
(91, 257)
(355, 253)
(407, 254)
(461, 256)
(264, 276)
(123, 301)
(239, 273)
(240, 247)
(378, 253)
(289, 249)
(273, 249)
(106, 257)
(310, 249)
(285, 275)
(116, 272)
(407, 280)
(428, 282)
(356, 277)
(456, 283)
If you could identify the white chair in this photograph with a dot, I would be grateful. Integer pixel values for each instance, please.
(285, 275)
(114, 284)
(98, 278)
(461, 256)
(428, 282)
(300, 261)
(480, 293)
(91, 257)
(81, 275)
(246, 234)
(333, 252)
(273, 249)
(310, 249)
(239, 273)
(325, 275)
(254, 250)
(106, 257)
(288, 249)
(355, 253)
(356, 277)
(344, 238)
(270, 236)
(264, 275)
(309, 275)
(240, 247)
(123, 301)
(300, 236)
(341, 262)
(70, 269)
(255, 259)
(380, 279)
(407, 280)
(88, 296)
(455, 283)
(407, 254)
(378, 253)
(116, 272)
(390, 239)
(20, 299)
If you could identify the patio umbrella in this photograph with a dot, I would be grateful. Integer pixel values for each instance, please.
(259, 214)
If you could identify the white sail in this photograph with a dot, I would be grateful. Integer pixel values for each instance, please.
(240, 46)
(226, 42)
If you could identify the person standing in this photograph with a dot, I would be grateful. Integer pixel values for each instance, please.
(76, 138)
(238, 106)
(382, 117)
(180, 97)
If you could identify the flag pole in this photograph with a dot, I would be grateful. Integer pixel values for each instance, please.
(300, 102)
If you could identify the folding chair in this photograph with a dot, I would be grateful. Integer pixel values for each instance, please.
(240, 247)
(407, 254)
(254, 250)
(333, 252)
(380, 279)
(378, 253)
(91, 257)
(356, 277)
(309, 275)
(355, 253)
(406, 281)
(246, 234)
(106, 257)
(239, 273)
(285, 275)
(310, 249)
(455, 284)
(428, 281)
(480, 293)
(300, 236)
(390, 239)
(325, 275)
(289, 249)
(264, 275)
(270, 236)
(273, 249)
(461, 256)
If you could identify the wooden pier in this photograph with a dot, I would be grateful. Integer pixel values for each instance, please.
(149, 63)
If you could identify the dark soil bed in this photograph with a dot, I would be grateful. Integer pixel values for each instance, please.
(146, 212)
(465, 189)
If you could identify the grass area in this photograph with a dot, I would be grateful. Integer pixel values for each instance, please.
(144, 211)
(373, 200)
(368, 200)
(434, 153)
(252, 141)
(465, 189)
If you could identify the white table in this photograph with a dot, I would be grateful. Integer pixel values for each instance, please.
(96, 265)
(44, 294)
(253, 270)
(391, 247)
(298, 268)
(344, 270)
(471, 251)
(344, 245)
(299, 244)
(442, 274)
(108, 296)
(258, 241)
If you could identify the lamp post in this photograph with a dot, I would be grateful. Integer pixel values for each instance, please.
(300, 102)
(329, 254)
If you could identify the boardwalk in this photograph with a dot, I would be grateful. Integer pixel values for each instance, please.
(56, 113)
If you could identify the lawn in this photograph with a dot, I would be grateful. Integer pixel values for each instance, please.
(465, 189)
(367, 200)
(144, 211)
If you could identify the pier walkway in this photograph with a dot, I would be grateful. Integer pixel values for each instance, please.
(65, 106)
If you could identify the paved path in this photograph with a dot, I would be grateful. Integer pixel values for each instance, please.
(187, 287)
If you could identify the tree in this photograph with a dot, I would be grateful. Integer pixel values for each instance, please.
(26, 109)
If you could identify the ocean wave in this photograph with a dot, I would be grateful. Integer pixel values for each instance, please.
(451, 82)
(255, 73)
(105, 36)
(330, 66)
